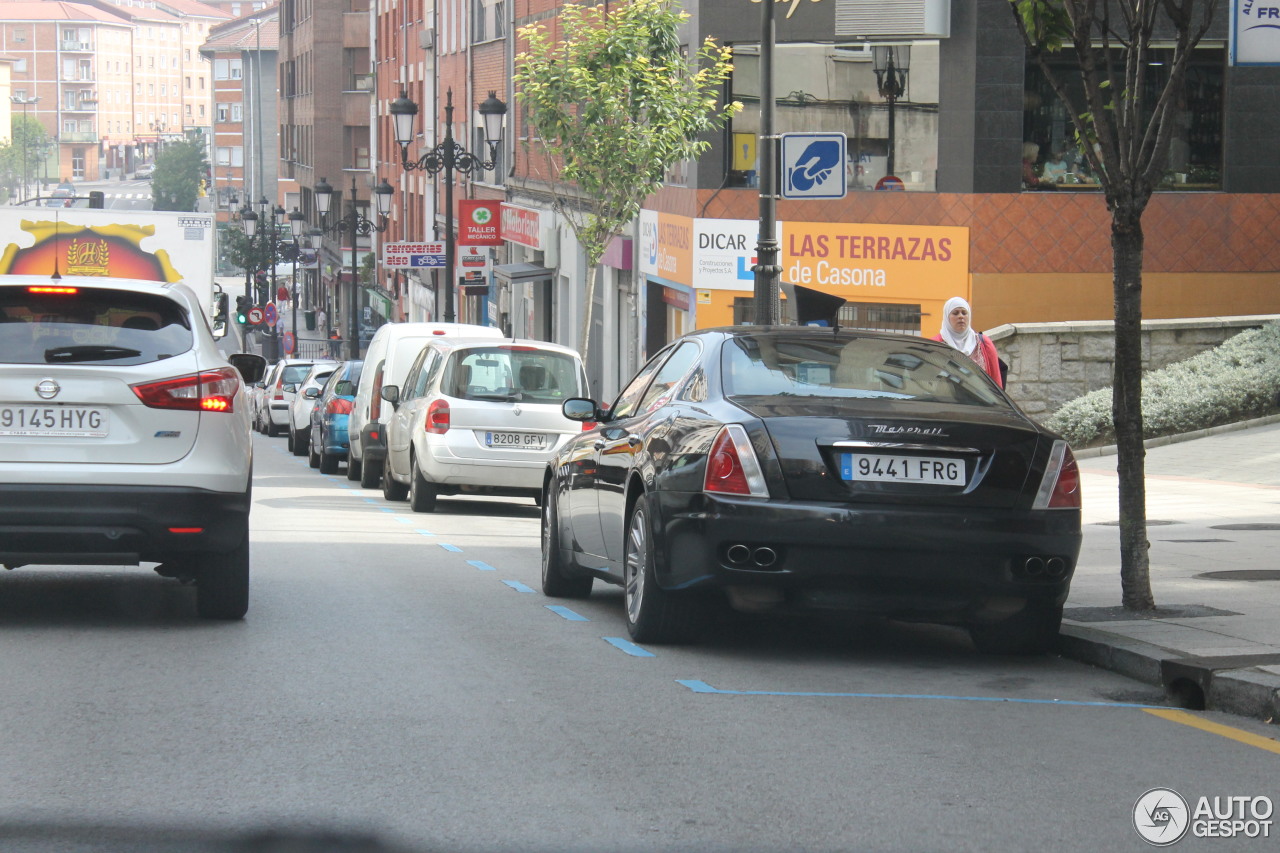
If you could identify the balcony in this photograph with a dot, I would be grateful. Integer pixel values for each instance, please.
(355, 29)
(78, 136)
(355, 109)
(77, 46)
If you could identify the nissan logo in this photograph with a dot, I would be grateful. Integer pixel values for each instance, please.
(47, 389)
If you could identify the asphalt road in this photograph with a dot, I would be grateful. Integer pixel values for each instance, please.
(399, 674)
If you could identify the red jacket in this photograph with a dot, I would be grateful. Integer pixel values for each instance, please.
(987, 358)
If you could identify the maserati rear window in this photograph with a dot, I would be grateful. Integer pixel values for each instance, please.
(900, 368)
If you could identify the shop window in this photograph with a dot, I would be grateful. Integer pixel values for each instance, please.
(829, 88)
(1053, 158)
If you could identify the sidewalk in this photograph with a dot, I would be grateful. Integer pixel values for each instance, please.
(1213, 520)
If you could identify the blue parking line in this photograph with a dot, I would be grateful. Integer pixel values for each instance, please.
(403, 520)
(424, 532)
(702, 687)
(481, 565)
(561, 610)
(453, 548)
(518, 587)
(628, 647)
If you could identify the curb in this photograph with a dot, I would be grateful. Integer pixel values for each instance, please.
(1248, 692)
(1161, 441)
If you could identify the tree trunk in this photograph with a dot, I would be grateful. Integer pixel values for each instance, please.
(585, 338)
(1126, 410)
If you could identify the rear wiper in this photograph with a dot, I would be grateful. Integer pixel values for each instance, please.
(93, 352)
(498, 398)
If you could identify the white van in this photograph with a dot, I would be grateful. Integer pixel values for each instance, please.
(390, 355)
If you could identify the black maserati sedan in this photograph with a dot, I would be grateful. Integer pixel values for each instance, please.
(785, 468)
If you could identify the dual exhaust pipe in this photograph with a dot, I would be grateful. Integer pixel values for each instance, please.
(751, 556)
(1041, 568)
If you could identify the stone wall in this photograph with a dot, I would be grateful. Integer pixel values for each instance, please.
(1053, 363)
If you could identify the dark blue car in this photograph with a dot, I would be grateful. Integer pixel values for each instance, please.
(329, 444)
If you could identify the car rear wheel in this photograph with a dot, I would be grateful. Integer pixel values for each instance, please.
(272, 430)
(329, 463)
(654, 615)
(422, 494)
(222, 583)
(353, 467)
(313, 456)
(1032, 631)
(555, 582)
(290, 441)
(392, 490)
(300, 442)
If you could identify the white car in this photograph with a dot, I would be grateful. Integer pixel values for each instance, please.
(479, 416)
(302, 404)
(279, 391)
(124, 434)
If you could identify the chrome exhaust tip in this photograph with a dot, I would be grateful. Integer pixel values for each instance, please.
(738, 554)
(764, 557)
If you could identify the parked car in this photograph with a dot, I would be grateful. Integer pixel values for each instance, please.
(124, 434)
(63, 196)
(480, 417)
(300, 407)
(805, 468)
(278, 393)
(329, 443)
(393, 348)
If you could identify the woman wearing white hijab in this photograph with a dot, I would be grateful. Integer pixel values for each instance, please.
(957, 330)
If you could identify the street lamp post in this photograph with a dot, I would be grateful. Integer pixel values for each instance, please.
(316, 237)
(448, 157)
(249, 222)
(892, 62)
(20, 101)
(296, 223)
(355, 226)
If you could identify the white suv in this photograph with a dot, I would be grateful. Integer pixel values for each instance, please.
(124, 434)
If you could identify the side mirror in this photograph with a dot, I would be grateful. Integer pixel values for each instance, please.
(391, 393)
(292, 388)
(252, 367)
(580, 409)
(312, 393)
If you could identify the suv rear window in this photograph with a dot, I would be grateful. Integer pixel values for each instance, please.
(88, 325)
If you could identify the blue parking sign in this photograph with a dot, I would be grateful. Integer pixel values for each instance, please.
(813, 165)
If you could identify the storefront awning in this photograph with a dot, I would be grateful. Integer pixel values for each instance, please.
(522, 272)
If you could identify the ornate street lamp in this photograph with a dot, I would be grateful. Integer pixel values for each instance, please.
(448, 157)
(296, 224)
(892, 63)
(355, 227)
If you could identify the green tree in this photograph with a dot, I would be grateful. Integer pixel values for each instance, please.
(1124, 120)
(615, 102)
(20, 158)
(180, 167)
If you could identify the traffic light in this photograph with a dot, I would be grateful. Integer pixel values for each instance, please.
(242, 310)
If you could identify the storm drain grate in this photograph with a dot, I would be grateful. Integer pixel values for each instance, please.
(1243, 575)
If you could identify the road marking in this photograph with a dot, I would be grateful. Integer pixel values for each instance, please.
(1174, 716)
(424, 532)
(702, 687)
(518, 587)
(481, 565)
(561, 610)
(629, 647)
(403, 520)
(449, 547)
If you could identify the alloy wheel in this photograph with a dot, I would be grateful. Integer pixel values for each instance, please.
(637, 556)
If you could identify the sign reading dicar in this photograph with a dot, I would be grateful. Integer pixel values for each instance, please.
(405, 255)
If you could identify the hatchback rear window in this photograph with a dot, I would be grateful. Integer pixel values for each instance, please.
(809, 366)
(51, 324)
(513, 373)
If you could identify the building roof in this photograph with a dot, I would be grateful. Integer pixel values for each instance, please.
(259, 31)
(57, 10)
(193, 9)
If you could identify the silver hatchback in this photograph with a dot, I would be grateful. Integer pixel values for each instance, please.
(124, 434)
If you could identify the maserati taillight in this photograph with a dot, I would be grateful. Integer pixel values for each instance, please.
(732, 467)
(207, 391)
(1060, 486)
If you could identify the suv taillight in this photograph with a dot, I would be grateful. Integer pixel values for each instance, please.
(732, 467)
(207, 391)
(437, 418)
(1060, 486)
